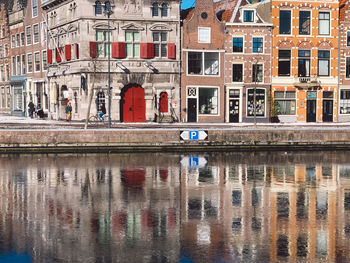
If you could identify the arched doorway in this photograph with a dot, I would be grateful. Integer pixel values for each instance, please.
(133, 104)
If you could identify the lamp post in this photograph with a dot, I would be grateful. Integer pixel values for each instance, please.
(108, 12)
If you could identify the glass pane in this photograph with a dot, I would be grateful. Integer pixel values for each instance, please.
(195, 63)
(304, 22)
(164, 51)
(99, 35)
(100, 50)
(208, 101)
(164, 36)
(136, 36)
(323, 27)
(129, 50)
(290, 94)
(128, 36)
(323, 67)
(237, 75)
(279, 94)
(156, 50)
(136, 50)
(285, 22)
(155, 36)
(211, 63)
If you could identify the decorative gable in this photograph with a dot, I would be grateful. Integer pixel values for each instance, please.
(160, 27)
(133, 26)
(103, 26)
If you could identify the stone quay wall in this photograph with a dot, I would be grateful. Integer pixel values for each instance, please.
(136, 140)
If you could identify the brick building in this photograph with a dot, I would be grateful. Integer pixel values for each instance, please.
(305, 60)
(202, 80)
(248, 62)
(144, 67)
(5, 92)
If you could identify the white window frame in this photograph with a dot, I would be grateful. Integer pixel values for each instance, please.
(27, 62)
(329, 26)
(343, 114)
(37, 8)
(254, 16)
(34, 34)
(236, 63)
(26, 36)
(34, 62)
(263, 44)
(44, 64)
(24, 39)
(208, 29)
(133, 42)
(18, 65)
(18, 40)
(203, 61)
(265, 102)
(6, 50)
(13, 41)
(243, 41)
(7, 72)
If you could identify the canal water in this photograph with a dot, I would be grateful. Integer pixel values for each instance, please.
(205, 207)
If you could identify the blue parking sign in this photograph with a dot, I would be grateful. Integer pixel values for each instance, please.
(193, 135)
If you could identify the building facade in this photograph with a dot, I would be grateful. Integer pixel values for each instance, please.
(305, 60)
(248, 63)
(202, 80)
(144, 58)
(5, 91)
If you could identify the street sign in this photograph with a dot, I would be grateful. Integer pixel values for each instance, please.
(193, 135)
(193, 162)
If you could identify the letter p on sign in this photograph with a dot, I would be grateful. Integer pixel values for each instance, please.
(194, 135)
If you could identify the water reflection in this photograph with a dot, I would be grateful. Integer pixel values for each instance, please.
(238, 207)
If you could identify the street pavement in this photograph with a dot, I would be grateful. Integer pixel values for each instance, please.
(10, 122)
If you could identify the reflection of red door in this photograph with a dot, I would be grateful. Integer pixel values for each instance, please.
(135, 177)
(163, 102)
(134, 105)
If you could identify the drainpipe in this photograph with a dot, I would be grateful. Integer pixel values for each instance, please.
(338, 85)
(180, 66)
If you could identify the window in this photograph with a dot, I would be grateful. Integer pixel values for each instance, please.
(44, 57)
(1, 72)
(22, 38)
(2, 31)
(257, 73)
(160, 44)
(13, 41)
(237, 44)
(34, 8)
(208, 101)
(30, 62)
(204, 35)
(347, 73)
(1, 51)
(260, 102)
(37, 61)
(323, 62)
(18, 43)
(108, 7)
(23, 64)
(258, 44)
(285, 22)
(203, 63)
(102, 43)
(29, 35)
(284, 62)
(7, 72)
(237, 72)
(18, 65)
(285, 102)
(13, 66)
(248, 15)
(43, 31)
(304, 63)
(164, 10)
(345, 101)
(36, 33)
(132, 40)
(6, 51)
(98, 8)
(323, 23)
(304, 22)
(155, 9)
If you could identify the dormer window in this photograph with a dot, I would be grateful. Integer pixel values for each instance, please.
(248, 15)
(163, 9)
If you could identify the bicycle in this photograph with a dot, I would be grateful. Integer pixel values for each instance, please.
(96, 119)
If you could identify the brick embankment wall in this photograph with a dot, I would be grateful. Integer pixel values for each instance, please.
(19, 141)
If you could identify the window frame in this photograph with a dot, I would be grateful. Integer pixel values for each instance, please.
(203, 63)
(104, 43)
(262, 44)
(133, 44)
(341, 101)
(162, 45)
(35, 62)
(208, 29)
(304, 58)
(252, 14)
(44, 62)
(36, 35)
(35, 12)
(262, 72)
(242, 75)
(286, 98)
(290, 63)
(329, 22)
(237, 37)
(323, 59)
(247, 99)
(310, 24)
(27, 62)
(28, 36)
(280, 22)
(96, 4)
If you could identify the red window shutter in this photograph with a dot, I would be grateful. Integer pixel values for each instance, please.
(49, 56)
(118, 50)
(93, 49)
(171, 51)
(77, 51)
(147, 50)
(58, 54)
(68, 52)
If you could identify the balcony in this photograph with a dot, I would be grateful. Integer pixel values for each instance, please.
(307, 82)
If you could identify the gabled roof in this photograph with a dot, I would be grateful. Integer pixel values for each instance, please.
(263, 11)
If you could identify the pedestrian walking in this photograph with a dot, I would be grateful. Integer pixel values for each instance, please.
(69, 112)
(103, 111)
(31, 109)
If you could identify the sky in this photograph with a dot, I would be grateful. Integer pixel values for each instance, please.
(187, 3)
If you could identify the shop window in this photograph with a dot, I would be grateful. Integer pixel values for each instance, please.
(203, 63)
(160, 44)
(237, 73)
(208, 101)
(344, 101)
(257, 73)
(284, 62)
(248, 15)
(304, 63)
(323, 23)
(103, 43)
(204, 35)
(260, 102)
(286, 102)
(323, 62)
(285, 22)
(132, 39)
(304, 22)
(237, 44)
(258, 44)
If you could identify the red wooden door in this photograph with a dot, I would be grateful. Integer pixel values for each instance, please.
(134, 105)
(163, 102)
